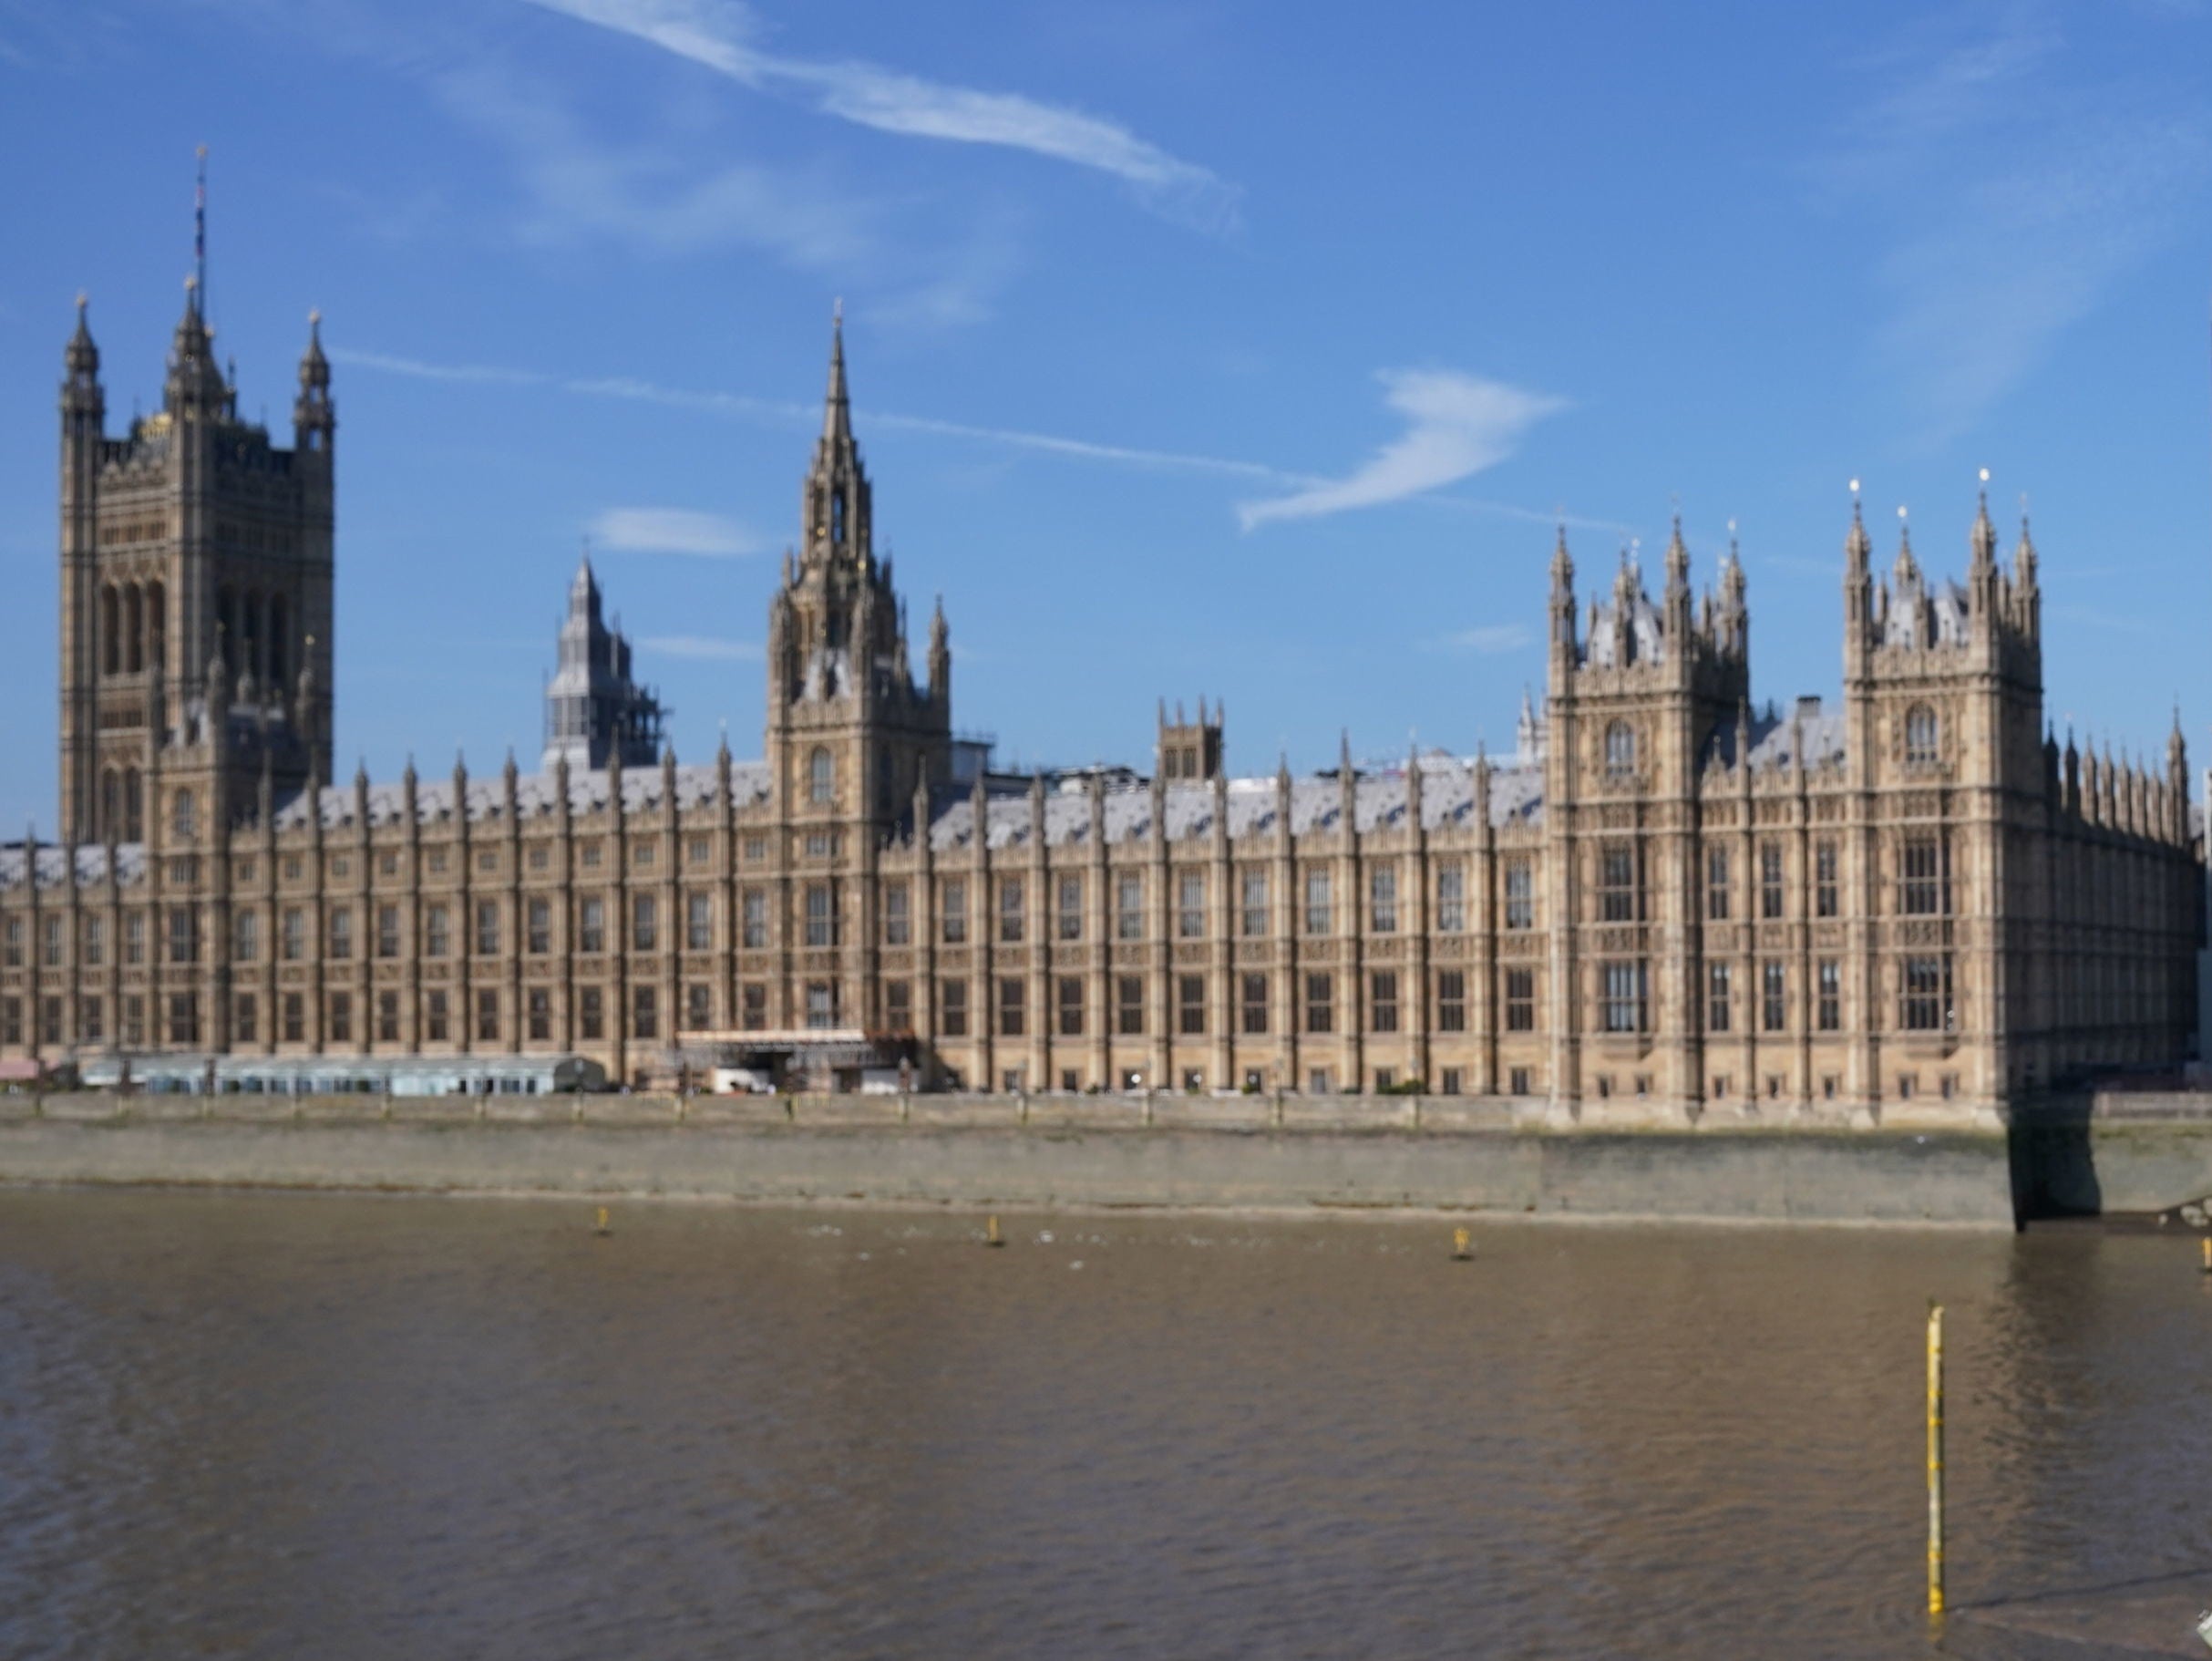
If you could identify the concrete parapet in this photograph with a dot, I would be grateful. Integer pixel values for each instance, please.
(999, 1151)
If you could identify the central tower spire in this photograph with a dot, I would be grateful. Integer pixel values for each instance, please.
(836, 498)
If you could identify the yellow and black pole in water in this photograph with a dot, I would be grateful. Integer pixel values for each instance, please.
(1463, 1249)
(601, 1226)
(992, 1236)
(1935, 1459)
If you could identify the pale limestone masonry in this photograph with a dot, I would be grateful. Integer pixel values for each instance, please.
(1669, 906)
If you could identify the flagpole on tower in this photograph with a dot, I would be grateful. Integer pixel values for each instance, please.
(199, 237)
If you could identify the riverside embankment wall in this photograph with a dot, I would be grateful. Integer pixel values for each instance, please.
(2115, 1151)
(1318, 1153)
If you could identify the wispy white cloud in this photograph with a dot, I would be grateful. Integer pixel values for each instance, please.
(787, 414)
(720, 36)
(673, 530)
(650, 195)
(1456, 426)
(2011, 198)
(703, 646)
(1490, 640)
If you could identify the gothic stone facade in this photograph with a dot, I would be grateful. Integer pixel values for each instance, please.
(1667, 902)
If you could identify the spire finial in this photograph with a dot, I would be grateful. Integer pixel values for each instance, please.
(837, 410)
(199, 235)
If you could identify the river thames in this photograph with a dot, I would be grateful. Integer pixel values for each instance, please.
(278, 1427)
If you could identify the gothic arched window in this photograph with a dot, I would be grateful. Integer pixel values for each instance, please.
(180, 816)
(1921, 734)
(821, 775)
(1620, 750)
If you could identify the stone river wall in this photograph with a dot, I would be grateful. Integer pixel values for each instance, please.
(1300, 1152)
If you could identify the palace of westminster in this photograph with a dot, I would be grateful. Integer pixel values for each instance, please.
(1668, 902)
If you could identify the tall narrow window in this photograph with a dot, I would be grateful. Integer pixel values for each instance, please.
(1253, 1004)
(1129, 907)
(645, 1012)
(1770, 881)
(1774, 998)
(1520, 892)
(247, 927)
(644, 924)
(387, 932)
(1621, 995)
(898, 1006)
(954, 919)
(1716, 997)
(1252, 907)
(1927, 995)
(1923, 890)
(698, 922)
(1451, 1000)
(1069, 915)
(1190, 905)
(388, 1017)
(1010, 910)
(1716, 884)
(952, 1008)
(437, 931)
(821, 775)
(753, 904)
(1382, 900)
(1617, 895)
(1382, 1001)
(1520, 1003)
(1921, 733)
(1069, 995)
(1129, 1005)
(1620, 750)
(698, 1007)
(821, 925)
(183, 934)
(1317, 917)
(753, 1007)
(1321, 1002)
(340, 931)
(1824, 878)
(341, 1022)
(898, 923)
(1451, 897)
(487, 928)
(94, 947)
(437, 1022)
(1012, 1006)
(1829, 1015)
(1191, 1005)
(541, 928)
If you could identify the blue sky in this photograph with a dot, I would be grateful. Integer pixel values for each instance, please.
(1230, 348)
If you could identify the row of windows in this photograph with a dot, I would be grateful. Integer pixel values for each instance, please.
(1925, 1003)
(1251, 1013)
(1923, 735)
(1925, 1000)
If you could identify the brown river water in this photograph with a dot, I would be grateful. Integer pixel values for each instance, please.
(293, 1426)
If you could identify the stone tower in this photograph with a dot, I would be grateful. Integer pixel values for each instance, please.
(594, 708)
(196, 562)
(1634, 712)
(850, 732)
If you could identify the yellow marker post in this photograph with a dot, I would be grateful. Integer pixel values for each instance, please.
(601, 1226)
(2209, 1254)
(1462, 1251)
(991, 1231)
(1935, 1459)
